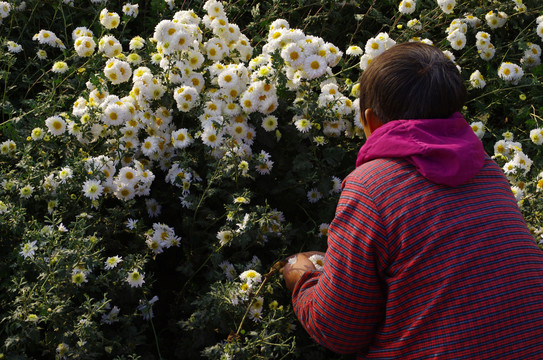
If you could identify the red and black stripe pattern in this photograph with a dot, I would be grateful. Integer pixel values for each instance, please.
(418, 270)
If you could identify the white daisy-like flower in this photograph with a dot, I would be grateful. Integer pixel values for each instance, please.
(270, 123)
(354, 50)
(110, 46)
(303, 125)
(414, 24)
(84, 46)
(314, 195)
(510, 72)
(109, 20)
(225, 237)
(495, 19)
(478, 128)
(13, 47)
(457, 39)
(60, 67)
(181, 138)
(28, 250)
(293, 55)
(447, 6)
(56, 125)
(26, 191)
(92, 189)
(536, 135)
(135, 278)
(131, 10)
(5, 9)
(251, 277)
(477, 80)
(407, 6)
(314, 66)
(317, 260)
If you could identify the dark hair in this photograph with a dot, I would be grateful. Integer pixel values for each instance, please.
(411, 81)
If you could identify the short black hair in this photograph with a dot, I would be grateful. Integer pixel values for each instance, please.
(411, 81)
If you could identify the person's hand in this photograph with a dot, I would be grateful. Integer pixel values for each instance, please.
(296, 266)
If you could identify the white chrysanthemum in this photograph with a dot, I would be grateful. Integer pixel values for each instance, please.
(110, 46)
(41, 54)
(84, 46)
(249, 102)
(212, 138)
(269, 123)
(495, 19)
(181, 138)
(251, 277)
(5, 9)
(510, 72)
(131, 10)
(92, 189)
(314, 66)
(117, 71)
(60, 67)
(56, 125)
(365, 60)
(536, 135)
(81, 31)
(303, 125)
(13, 47)
(112, 261)
(487, 53)
(317, 260)
(478, 128)
(407, 6)
(293, 55)
(447, 6)
(414, 24)
(314, 195)
(477, 80)
(150, 145)
(116, 114)
(109, 20)
(46, 37)
(457, 39)
(215, 49)
(135, 279)
(354, 50)
(136, 43)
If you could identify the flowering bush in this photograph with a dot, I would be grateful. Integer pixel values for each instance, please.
(153, 181)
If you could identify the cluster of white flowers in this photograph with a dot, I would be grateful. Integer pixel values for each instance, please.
(510, 72)
(162, 237)
(109, 20)
(131, 10)
(485, 48)
(8, 147)
(516, 159)
(532, 55)
(375, 46)
(496, 19)
(46, 37)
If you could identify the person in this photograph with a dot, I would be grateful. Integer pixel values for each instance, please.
(428, 254)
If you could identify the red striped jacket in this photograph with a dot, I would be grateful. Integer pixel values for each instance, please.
(419, 270)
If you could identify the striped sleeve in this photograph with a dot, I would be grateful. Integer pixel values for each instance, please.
(342, 307)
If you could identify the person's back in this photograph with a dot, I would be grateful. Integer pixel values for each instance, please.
(462, 274)
(428, 254)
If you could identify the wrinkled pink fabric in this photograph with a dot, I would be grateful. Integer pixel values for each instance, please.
(445, 151)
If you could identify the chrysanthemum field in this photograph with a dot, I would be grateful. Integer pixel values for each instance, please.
(159, 159)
